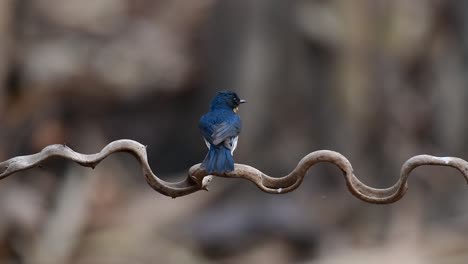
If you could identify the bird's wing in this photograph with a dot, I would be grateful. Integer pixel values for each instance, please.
(225, 130)
(206, 128)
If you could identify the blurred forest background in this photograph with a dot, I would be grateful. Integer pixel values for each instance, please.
(377, 80)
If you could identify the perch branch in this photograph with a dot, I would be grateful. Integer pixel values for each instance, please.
(198, 179)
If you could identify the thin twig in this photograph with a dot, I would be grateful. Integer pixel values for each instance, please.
(198, 179)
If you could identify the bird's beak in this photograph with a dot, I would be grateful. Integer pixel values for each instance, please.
(242, 101)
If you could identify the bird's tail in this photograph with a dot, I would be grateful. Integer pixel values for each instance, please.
(218, 160)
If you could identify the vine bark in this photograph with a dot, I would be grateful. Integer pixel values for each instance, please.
(197, 179)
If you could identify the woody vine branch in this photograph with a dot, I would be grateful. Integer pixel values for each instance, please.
(197, 178)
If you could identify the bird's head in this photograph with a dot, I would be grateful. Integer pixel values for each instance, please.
(226, 99)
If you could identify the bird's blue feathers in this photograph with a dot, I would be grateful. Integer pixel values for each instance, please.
(218, 160)
(220, 128)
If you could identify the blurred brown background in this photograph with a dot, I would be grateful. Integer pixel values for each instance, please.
(377, 80)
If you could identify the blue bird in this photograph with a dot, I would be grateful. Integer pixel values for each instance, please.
(220, 128)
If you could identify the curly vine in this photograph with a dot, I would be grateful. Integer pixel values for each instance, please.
(198, 179)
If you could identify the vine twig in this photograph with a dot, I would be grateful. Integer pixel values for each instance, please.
(198, 179)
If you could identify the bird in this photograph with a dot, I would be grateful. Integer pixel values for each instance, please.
(220, 128)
